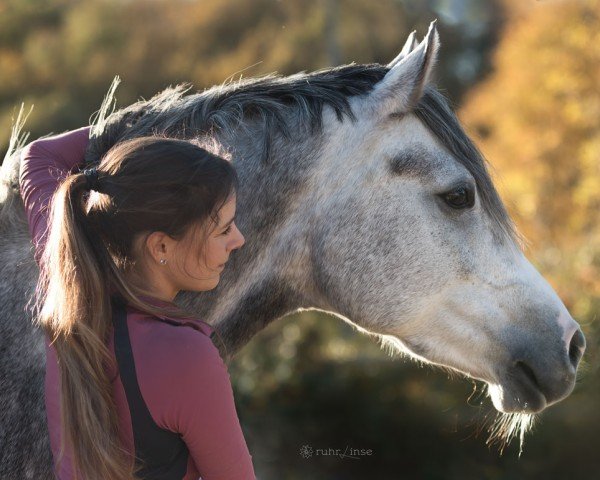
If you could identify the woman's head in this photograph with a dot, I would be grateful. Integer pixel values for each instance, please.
(194, 262)
(157, 220)
(162, 208)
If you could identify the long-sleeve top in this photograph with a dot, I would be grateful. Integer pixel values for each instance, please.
(182, 378)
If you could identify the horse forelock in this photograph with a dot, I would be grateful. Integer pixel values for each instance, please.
(280, 103)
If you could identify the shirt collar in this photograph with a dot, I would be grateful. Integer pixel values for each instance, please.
(206, 328)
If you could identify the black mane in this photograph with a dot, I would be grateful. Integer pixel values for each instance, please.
(274, 100)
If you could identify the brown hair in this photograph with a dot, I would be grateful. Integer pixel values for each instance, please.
(144, 185)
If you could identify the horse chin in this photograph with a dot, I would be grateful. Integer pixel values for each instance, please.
(516, 414)
(517, 396)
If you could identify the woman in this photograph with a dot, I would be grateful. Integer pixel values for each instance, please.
(142, 389)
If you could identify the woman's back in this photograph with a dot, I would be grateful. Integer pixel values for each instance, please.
(185, 386)
(170, 387)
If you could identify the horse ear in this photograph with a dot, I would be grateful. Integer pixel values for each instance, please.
(403, 85)
(409, 46)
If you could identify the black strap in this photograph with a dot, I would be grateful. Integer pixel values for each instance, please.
(162, 454)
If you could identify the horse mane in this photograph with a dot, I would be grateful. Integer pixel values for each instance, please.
(274, 100)
(223, 108)
(11, 220)
(271, 99)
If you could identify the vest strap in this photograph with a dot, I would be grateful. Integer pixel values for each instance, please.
(161, 454)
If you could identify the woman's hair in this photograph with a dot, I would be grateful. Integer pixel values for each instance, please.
(144, 185)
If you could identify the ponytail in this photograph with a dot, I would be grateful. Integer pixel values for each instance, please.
(76, 315)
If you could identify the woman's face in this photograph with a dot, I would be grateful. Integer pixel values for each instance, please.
(191, 263)
(196, 270)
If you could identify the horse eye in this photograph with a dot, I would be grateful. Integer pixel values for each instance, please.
(459, 198)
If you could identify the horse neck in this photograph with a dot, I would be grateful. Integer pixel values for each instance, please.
(269, 276)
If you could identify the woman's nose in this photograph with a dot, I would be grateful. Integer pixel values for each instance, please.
(242, 240)
(239, 239)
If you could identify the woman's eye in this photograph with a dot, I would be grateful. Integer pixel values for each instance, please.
(227, 230)
(459, 198)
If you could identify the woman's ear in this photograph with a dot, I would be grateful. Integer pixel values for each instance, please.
(160, 246)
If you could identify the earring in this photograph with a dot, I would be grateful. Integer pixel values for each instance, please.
(163, 261)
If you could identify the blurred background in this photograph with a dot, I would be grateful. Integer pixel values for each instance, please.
(523, 76)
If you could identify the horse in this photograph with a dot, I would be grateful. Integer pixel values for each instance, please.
(360, 195)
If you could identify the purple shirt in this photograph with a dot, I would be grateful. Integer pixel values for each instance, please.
(182, 378)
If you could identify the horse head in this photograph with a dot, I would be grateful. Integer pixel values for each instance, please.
(410, 241)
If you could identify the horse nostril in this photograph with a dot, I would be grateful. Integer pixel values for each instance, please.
(576, 348)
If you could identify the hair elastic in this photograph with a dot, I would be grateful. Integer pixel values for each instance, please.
(91, 178)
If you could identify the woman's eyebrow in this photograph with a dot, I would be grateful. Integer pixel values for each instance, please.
(229, 222)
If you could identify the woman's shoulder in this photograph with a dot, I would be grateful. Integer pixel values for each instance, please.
(168, 341)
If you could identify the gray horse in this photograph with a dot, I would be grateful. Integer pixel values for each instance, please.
(361, 196)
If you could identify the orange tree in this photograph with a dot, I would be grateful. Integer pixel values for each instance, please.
(537, 118)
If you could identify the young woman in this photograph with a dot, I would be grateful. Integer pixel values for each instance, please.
(134, 386)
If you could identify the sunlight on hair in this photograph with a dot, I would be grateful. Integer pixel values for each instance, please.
(109, 104)
(392, 346)
(507, 426)
(18, 138)
(502, 429)
(212, 145)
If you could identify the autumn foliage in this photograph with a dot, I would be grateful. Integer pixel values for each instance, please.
(534, 109)
(537, 118)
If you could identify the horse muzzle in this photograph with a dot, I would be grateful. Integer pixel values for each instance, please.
(535, 380)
